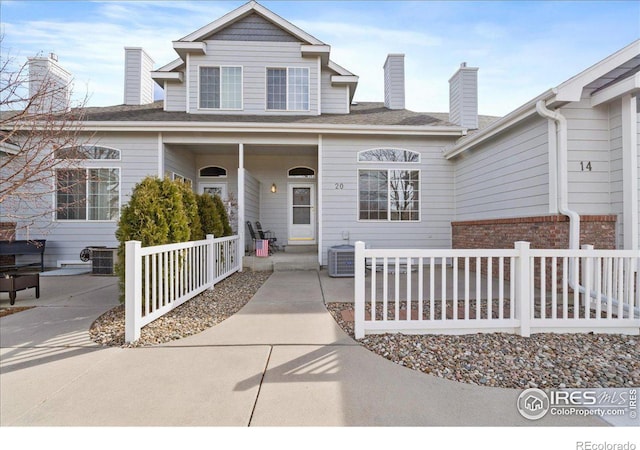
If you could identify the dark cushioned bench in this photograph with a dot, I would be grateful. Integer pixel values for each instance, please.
(15, 248)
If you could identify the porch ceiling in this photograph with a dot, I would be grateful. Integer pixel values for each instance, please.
(249, 149)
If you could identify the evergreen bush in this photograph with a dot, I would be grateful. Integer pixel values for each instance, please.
(209, 217)
(224, 217)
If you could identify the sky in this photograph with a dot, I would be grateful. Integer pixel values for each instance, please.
(522, 48)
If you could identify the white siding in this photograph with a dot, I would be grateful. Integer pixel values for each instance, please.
(340, 195)
(335, 99)
(507, 176)
(588, 141)
(65, 239)
(254, 58)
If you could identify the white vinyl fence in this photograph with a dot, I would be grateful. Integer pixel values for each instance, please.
(520, 290)
(160, 278)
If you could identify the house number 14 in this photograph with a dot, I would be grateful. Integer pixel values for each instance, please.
(585, 165)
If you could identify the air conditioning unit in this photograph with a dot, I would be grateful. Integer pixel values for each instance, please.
(103, 260)
(341, 261)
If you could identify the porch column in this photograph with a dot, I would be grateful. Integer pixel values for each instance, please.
(630, 171)
(241, 198)
(319, 199)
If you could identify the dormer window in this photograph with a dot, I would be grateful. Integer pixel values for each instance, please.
(220, 87)
(288, 89)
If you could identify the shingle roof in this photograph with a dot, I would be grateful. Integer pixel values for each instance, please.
(366, 113)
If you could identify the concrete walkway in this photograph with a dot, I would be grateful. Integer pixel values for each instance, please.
(281, 360)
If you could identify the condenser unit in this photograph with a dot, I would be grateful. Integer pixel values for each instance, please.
(103, 260)
(341, 261)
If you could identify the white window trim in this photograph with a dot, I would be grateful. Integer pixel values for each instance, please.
(220, 66)
(389, 162)
(388, 219)
(176, 176)
(55, 193)
(266, 93)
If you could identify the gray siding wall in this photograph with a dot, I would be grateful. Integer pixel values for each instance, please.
(65, 239)
(638, 131)
(615, 132)
(175, 96)
(254, 58)
(335, 99)
(251, 203)
(463, 97)
(507, 176)
(138, 85)
(180, 162)
(588, 141)
(394, 82)
(253, 28)
(340, 195)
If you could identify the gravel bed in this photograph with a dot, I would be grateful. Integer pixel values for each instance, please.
(192, 317)
(543, 360)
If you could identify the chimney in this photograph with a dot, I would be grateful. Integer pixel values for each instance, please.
(138, 85)
(49, 85)
(463, 97)
(394, 81)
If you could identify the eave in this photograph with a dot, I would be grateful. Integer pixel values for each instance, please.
(295, 128)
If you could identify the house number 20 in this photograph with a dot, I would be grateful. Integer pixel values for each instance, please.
(339, 186)
(585, 165)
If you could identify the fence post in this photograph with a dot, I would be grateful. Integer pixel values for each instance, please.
(523, 281)
(212, 261)
(588, 277)
(359, 290)
(132, 290)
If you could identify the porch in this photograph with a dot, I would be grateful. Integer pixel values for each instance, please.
(268, 179)
(289, 258)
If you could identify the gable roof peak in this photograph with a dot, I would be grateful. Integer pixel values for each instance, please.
(243, 11)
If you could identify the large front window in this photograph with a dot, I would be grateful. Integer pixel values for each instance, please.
(87, 194)
(389, 195)
(221, 87)
(288, 89)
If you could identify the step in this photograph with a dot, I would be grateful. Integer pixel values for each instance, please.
(301, 249)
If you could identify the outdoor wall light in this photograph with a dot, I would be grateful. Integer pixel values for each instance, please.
(274, 188)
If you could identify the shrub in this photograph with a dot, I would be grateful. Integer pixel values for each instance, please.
(190, 204)
(224, 217)
(209, 217)
(155, 215)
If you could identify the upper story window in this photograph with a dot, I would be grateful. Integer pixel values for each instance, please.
(87, 152)
(220, 88)
(389, 155)
(288, 89)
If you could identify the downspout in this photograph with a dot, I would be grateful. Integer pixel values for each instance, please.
(563, 183)
(563, 200)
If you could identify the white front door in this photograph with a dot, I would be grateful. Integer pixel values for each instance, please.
(302, 213)
(214, 189)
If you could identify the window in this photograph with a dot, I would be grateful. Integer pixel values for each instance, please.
(301, 172)
(213, 171)
(391, 195)
(221, 87)
(87, 194)
(182, 178)
(288, 89)
(388, 155)
(87, 152)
